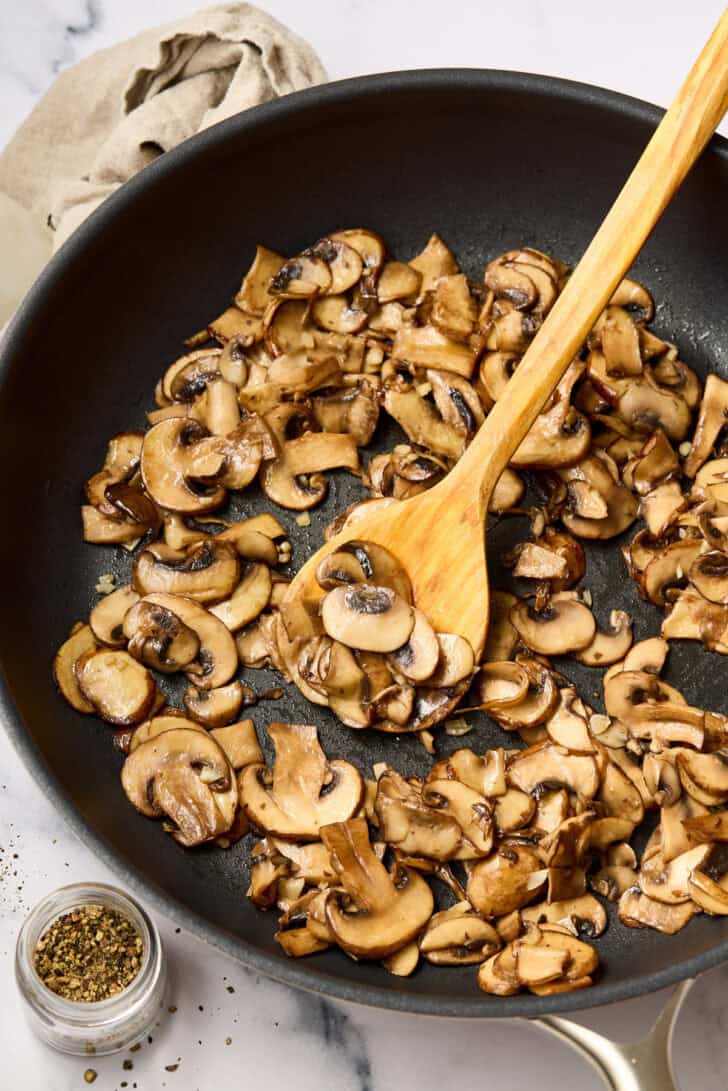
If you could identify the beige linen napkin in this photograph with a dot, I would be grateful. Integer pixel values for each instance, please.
(111, 114)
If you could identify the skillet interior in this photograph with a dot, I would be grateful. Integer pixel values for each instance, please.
(491, 160)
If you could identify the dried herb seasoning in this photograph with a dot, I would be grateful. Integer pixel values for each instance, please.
(89, 954)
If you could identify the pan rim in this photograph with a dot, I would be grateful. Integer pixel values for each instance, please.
(303, 975)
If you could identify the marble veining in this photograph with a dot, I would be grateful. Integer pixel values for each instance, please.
(226, 1026)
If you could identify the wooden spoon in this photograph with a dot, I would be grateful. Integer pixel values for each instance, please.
(439, 536)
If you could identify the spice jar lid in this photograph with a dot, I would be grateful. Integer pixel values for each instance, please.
(97, 1026)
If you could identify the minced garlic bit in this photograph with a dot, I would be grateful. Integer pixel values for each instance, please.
(424, 389)
(303, 519)
(586, 597)
(457, 727)
(685, 448)
(106, 584)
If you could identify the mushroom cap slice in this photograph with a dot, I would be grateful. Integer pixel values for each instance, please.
(548, 764)
(566, 625)
(107, 617)
(185, 775)
(709, 575)
(584, 913)
(507, 880)
(609, 647)
(214, 707)
(538, 703)
(248, 600)
(304, 790)
(458, 937)
(419, 656)
(367, 617)
(159, 638)
(170, 720)
(637, 910)
(407, 821)
(81, 641)
(304, 276)
(208, 572)
(217, 659)
(166, 463)
(471, 811)
(364, 562)
(385, 913)
(121, 690)
(456, 661)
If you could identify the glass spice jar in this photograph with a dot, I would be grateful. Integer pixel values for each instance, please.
(102, 1026)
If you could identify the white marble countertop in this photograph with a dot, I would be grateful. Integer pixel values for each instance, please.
(230, 1027)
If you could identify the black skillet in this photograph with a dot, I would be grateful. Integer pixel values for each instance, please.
(491, 160)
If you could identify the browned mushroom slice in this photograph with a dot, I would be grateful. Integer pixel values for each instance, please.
(354, 410)
(580, 516)
(619, 796)
(708, 827)
(508, 491)
(470, 810)
(207, 573)
(711, 422)
(214, 707)
(502, 685)
(107, 617)
(453, 307)
(537, 705)
(456, 401)
(426, 346)
(646, 406)
(498, 974)
(239, 742)
(502, 638)
(101, 529)
(655, 462)
(708, 883)
(609, 646)
(434, 262)
(456, 661)
(669, 569)
(547, 764)
(418, 657)
(304, 791)
(458, 937)
(185, 775)
(397, 281)
(513, 876)
(121, 690)
(166, 460)
(367, 616)
(344, 261)
(581, 959)
(565, 625)
(620, 342)
(704, 776)
(170, 720)
(567, 726)
(337, 314)
(79, 643)
(253, 295)
(629, 688)
(660, 508)
(422, 423)
(384, 913)
(331, 669)
(513, 811)
(670, 723)
(248, 600)
(533, 561)
(120, 464)
(694, 618)
(668, 882)
(234, 323)
(709, 575)
(584, 914)
(408, 822)
(636, 910)
(158, 638)
(630, 293)
(560, 436)
(304, 276)
(217, 659)
(317, 451)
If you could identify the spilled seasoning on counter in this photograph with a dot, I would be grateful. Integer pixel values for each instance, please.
(89, 954)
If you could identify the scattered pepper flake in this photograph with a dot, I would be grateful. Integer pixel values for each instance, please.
(90, 1075)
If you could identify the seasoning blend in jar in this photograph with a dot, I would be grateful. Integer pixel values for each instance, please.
(90, 966)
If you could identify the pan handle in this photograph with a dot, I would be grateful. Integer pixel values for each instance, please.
(636, 1066)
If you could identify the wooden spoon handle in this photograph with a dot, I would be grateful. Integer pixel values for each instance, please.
(677, 142)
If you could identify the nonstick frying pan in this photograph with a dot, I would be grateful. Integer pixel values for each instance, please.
(491, 160)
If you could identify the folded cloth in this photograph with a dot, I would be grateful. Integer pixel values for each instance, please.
(116, 111)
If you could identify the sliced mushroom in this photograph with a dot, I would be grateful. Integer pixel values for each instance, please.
(304, 791)
(668, 882)
(704, 776)
(708, 883)
(567, 726)
(456, 661)
(434, 262)
(418, 657)
(407, 821)
(453, 308)
(368, 617)
(185, 775)
(216, 661)
(170, 720)
(158, 638)
(636, 910)
(167, 467)
(248, 600)
(565, 625)
(304, 276)
(363, 562)
(507, 880)
(422, 423)
(214, 707)
(81, 641)
(239, 742)
(547, 764)
(587, 521)
(426, 346)
(207, 573)
(120, 689)
(712, 420)
(383, 913)
(107, 617)
(397, 281)
(584, 914)
(471, 811)
(458, 937)
(536, 706)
